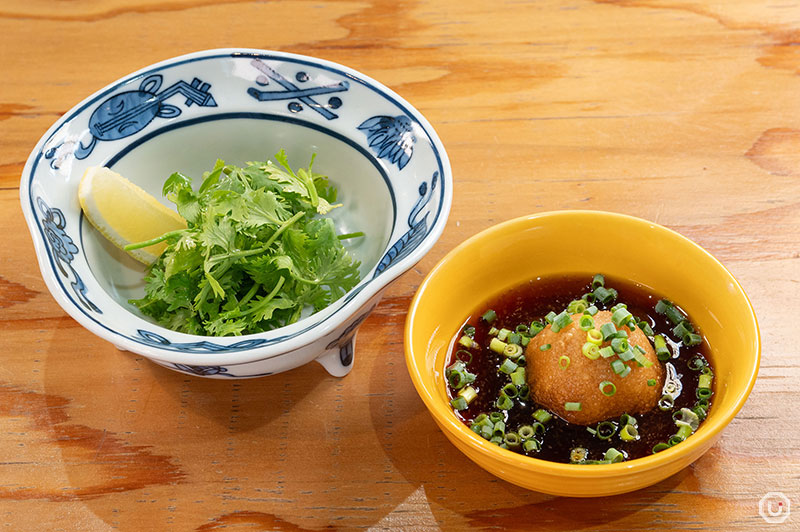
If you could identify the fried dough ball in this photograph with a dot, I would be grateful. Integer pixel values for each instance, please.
(552, 386)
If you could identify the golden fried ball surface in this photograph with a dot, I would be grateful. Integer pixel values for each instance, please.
(552, 386)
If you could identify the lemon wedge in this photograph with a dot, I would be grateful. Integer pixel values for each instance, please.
(124, 213)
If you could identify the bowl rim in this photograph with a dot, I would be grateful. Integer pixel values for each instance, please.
(455, 428)
(325, 323)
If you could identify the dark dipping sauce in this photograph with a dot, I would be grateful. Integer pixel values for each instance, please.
(531, 302)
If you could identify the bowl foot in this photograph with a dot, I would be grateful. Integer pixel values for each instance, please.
(338, 361)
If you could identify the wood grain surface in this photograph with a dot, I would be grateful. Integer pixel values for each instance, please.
(684, 112)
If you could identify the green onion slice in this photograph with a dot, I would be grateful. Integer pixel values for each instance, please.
(563, 362)
(561, 321)
(586, 323)
(542, 416)
(591, 351)
(594, 336)
(608, 388)
(572, 406)
(489, 316)
(605, 430)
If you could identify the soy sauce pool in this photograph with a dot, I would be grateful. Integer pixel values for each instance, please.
(531, 302)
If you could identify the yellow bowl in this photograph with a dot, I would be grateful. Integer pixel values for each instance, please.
(554, 243)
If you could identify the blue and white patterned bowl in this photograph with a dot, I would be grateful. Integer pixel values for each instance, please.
(239, 105)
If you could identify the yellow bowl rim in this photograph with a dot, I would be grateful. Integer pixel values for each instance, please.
(457, 429)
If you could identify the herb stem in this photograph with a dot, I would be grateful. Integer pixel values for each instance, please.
(146, 243)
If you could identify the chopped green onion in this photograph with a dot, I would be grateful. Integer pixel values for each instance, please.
(542, 416)
(508, 366)
(605, 430)
(545, 347)
(618, 366)
(561, 321)
(494, 417)
(510, 390)
(641, 359)
(576, 306)
(536, 327)
(481, 419)
(489, 316)
(525, 432)
(609, 330)
(550, 317)
(512, 350)
(684, 431)
(604, 295)
(608, 388)
(512, 439)
(621, 334)
(521, 329)
(626, 355)
(531, 445)
(497, 440)
(704, 393)
(588, 297)
(466, 341)
(704, 381)
(539, 428)
(594, 336)
(499, 429)
(462, 353)
(525, 340)
(684, 415)
(504, 402)
(591, 431)
(502, 334)
(651, 382)
(613, 456)
(674, 315)
(619, 344)
(518, 377)
(617, 307)
(682, 329)
(514, 338)
(657, 448)
(598, 280)
(468, 394)
(629, 433)
(700, 412)
(662, 305)
(625, 372)
(591, 310)
(662, 351)
(692, 339)
(493, 331)
(707, 371)
(627, 419)
(591, 351)
(458, 403)
(578, 454)
(586, 323)
(696, 363)
(606, 352)
(666, 402)
(621, 317)
(646, 329)
(524, 392)
(497, 345)
(469, 330)
(572, 407)
(563, 362)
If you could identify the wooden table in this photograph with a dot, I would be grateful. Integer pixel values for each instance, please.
(683, 112)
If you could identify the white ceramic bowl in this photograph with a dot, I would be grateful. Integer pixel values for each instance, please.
(182, 114)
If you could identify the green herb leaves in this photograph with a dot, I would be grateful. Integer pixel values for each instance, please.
(254, 256)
